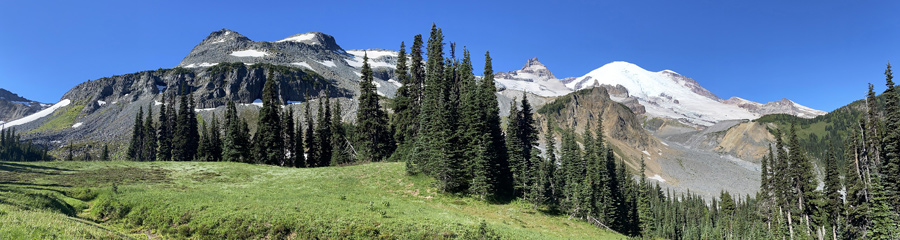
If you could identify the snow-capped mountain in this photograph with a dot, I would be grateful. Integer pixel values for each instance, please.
(535, 78)
(665, 94)
(316, 51)
(13, 106)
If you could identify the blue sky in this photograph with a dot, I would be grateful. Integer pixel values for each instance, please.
(817, 53)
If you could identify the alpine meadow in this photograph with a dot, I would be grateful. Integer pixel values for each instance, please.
(300, 138)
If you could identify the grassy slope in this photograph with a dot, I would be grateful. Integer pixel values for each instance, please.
(233, 200)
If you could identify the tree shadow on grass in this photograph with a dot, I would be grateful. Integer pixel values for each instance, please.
(29, 168)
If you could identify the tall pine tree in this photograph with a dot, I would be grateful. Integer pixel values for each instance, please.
(375, 141)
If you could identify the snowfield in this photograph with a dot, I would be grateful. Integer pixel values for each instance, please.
(301, 38)
(249, 53)
(37, 115)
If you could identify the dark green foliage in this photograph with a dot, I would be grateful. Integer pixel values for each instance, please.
(268, 141)
(405, 120)
(891, 142)
(299, 153)
(343, 150)
(644, 203)
(323, 134)
(288, 135)
(165, 132)
(104, 156)
(515, 151)
(375, 142)
(236, 147)
(312, 148)
(884, 218)
(136, 145)
(12, 148)
(148, 153)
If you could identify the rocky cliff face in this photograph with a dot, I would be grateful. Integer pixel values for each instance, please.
(315, 51)
(13, 106)
(622, 128)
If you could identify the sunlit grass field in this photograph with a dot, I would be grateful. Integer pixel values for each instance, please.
(200, 200)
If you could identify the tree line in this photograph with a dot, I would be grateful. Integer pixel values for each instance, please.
(445, 124)
(12, 148)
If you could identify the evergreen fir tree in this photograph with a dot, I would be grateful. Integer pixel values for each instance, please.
(193, 134)
(857, 206)
(104, 156)
(375, 143)
(215, 140)
(288, 134)
(136, 145)
(550, 179)
(312, 148)
(180, 140)
(164, 133)
(342, 147)
(404, 105)
(268, 139)
(884, 219)
(299, 143)
(236, 147)
(891, 166)
(514, 148)
(833, 201)
(204, 150)
(644, 212)
(323, 134)
(497, 153)
(149, 149)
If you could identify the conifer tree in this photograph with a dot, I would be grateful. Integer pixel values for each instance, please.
(323, 134)
(180, 140)
(551, 179)
(857, 206)
(312, 148)
(497, 152)
(288, 134)
(431, 144)
(299, 143)
(268, 138)
(136, 145)
(375, 142)
(204, 148)
(149, 149)
(804, 181)
(528, 133)
(514, 148)
(833, 201)
(104, 156)
(236, 147)
(215, 140)
(404, 105)
(164, 133)
(417, 73)
(606, 184)
(573, 169)
(586, 201)
(193, 134)
(884, 219)
(891, 166)
(644, 211)
(342, 147)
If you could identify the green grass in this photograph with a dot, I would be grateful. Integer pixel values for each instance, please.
(240, 201)
(61, 119)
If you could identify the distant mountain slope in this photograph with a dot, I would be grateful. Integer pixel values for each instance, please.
(13, 106)
(316, 51)
(665, 94)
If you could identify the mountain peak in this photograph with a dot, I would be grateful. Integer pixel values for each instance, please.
(224, 35)
(533, 62)
(313, 38)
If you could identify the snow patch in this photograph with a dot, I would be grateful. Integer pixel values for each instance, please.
(199, 65)
(101, 103)
(645, 152)
(249, 53)
(77, 125)
(219, 41)
(203, 109)
(657, 178)
(300, 38)
(302, 64)
(373, 53)
(395, 82)
(37, 115)
(156, 103)
(664, 143)
(328, 63)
